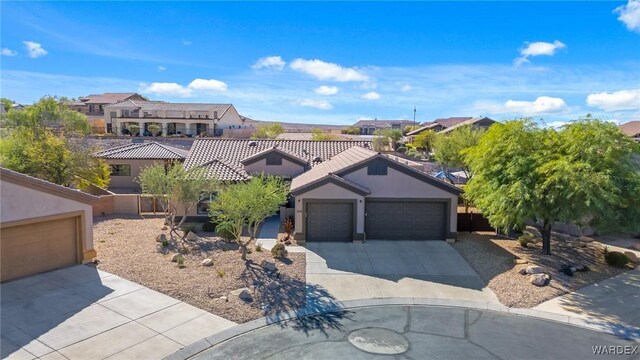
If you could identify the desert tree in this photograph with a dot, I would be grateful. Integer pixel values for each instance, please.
(449, 148)
(271, 131)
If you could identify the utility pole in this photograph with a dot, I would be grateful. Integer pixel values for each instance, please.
(414, 116)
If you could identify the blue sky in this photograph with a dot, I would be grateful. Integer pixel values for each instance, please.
(335, 63)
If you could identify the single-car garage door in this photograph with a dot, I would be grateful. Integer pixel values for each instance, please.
(405, 220)
(37, 247)
(329, 221)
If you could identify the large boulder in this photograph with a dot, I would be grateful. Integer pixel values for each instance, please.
(274, 285)
(191, 236)
(242, 293)
(207, 262)
(539, 279)
(534, 270)
(268, 265)
(632, 256)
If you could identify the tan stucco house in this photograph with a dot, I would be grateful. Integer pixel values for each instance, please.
(127, 162)
(43, 226)
(360, 194)
(93, 106)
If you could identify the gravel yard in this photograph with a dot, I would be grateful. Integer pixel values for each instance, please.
(493, 257)
(127, 247)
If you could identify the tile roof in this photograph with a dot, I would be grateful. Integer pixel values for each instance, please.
(148, 150)
(632, 128)
(448, 122)
(233, 151)
(471, 121)
(274, 148)
(422, 128)
(225, 170)
(161, 105)
(349, 157)
(382, 123)
(106, 98)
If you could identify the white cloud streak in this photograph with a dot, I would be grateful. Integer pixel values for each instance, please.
(34, 49)
(629, 14)
(161, 68)
(318, 104)
(208, 85)
(191, 90)
(327, 71)
(538, 48)
(269, 62)
(372, 95)
(326, 90)
(615, 101)
(8, 52)
(541, 105)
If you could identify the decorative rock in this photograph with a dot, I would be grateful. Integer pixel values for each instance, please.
(207, 262)
(534, 270)
(523, 271)
(567, 270)
(191, 236)
(539, 279)
(632, 256)
(243, 294)
(273, 285)
(268, 265)
(521, 261)
(161, 238)
(175, 257)
(224, 298)
(288, 242)
(164, 227)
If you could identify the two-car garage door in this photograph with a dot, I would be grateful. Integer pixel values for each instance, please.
(39, 246)
(386, 219)
(405, 220)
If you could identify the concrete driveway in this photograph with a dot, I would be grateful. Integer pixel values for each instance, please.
(386, 269)
(83, 313)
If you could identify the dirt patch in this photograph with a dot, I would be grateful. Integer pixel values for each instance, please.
(493, 257)
(127, 247)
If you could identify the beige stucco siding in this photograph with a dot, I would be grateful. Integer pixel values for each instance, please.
(130, 182)
(21, 203)
(399, 185)
(326, 192)
(287, 169)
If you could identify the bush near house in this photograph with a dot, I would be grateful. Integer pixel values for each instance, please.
(616, 258)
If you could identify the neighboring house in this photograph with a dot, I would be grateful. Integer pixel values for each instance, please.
(181, 119)
(93, 106)
(44, 226)
(439, 124)
(632, 128)
(127, 162)
(360, 194)
(479, 122)
(233, 160)
(457, 177)
(368, 127)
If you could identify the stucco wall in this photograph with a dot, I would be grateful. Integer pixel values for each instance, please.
(129, 182)
(287, 168)
(20, 203)
(399, 185)
(329, 191)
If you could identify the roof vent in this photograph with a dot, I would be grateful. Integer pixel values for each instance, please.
(317, 159)
(253, 143)
(366, 145)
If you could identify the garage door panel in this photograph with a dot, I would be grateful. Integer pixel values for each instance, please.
(34, 248)
(329, 221)
(405, 220)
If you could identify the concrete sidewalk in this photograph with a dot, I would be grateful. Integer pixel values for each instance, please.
(83, 313)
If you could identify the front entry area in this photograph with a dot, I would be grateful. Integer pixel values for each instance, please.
(330, 220)
(407, 219)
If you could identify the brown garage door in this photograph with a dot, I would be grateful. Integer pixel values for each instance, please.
(37, 247)
(405, 220)
(329, 221)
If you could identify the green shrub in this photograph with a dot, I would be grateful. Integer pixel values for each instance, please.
(180, 262)
(220, 273)
(616, 258)
(259, 247)
(165, 243)
(209, 226)
(525, 239)
(187, 228)
(279, 251)
(224, 230)
(402, 149)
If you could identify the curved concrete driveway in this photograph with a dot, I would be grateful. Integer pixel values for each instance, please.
(419, 332)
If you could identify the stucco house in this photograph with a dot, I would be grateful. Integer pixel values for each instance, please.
(368, 127)
(631, 128)
(93, 106)
(360, 194)
(479, 122)
(127, 162)
(44, 226)
(184, 119)
(442, 124)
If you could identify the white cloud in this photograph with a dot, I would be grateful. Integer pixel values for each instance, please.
(630, 15)
(536, 49)
(161, 68)
(34, 49)
(405, 88)
(372, 95)
(318, 104)
(8, 52)
(619, 100)
(327, 71)
(556, 124)
(186, 42)
(209, 85)
(541, 105)
(269, 62)
(167, 89)
(326, 90)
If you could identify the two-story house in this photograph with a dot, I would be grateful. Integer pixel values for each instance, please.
(368, 127)
(93, 106)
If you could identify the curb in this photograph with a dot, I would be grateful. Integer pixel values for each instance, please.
(624, 331)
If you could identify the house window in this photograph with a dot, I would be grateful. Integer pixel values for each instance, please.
(125, 113)
(114, 114)
(377, 168)
(203, 204)
(274, 159)
(120, 170)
